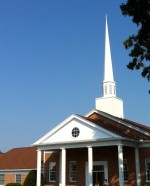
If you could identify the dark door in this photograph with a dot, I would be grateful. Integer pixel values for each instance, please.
(98, 178)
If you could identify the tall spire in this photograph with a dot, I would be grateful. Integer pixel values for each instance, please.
(108, 70)
(109, 103)
(109, 86)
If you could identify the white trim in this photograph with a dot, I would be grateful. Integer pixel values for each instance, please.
(65, 122)
(94, 143)
(54, 130)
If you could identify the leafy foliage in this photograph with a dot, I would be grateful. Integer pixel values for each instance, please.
(13, 184)
(31, 179)
(139, 44)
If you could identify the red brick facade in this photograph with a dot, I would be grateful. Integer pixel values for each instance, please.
(80, 155)
(109, 154)
(144, 153)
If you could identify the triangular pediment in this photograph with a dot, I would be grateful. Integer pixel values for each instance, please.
(66, 132)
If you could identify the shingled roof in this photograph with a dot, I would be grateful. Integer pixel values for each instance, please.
(19, 158)
(123, 127)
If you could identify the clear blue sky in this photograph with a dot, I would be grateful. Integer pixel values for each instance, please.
(51, 65)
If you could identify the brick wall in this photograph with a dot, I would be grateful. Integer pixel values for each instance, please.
(144, 153)
(50, 157)
(23, 177)
(11, 178)
(129, 155)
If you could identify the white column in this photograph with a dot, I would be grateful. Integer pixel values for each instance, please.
(120, 165)
(137, 165)
(62, 181)
(90, 166)
(39, 155)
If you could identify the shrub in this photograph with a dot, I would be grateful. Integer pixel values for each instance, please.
(13, 184)
(31, 179)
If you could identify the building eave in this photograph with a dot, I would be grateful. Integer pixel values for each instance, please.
(15, 171)
(85, 144)
(145, 143)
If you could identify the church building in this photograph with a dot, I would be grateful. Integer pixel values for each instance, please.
(101, 145)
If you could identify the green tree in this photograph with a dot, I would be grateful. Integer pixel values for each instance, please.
(139, 44)
(31, 179)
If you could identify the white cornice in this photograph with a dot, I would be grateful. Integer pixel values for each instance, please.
(86, 144)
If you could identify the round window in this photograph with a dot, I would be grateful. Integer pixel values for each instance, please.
(75, 132)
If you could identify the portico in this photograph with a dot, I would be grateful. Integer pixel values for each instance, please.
(97, 153)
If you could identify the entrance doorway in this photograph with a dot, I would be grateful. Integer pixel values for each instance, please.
(100, 172)
(98, 175)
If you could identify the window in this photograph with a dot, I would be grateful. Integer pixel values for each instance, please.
(98, 174)
(105, 89)
(18, 178)
(110, 89)
(73, 171)
(114, 90)
(75, 132)
(125, 170)
(1, 179)
(147, 167)
(52, 171)
(98, 168)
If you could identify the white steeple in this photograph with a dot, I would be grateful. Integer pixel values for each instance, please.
(109, 103)
(109, 85)
(107, 60)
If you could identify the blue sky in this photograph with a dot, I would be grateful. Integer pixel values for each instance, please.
(51, 65)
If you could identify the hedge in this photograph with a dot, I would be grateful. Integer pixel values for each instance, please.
(13, 184)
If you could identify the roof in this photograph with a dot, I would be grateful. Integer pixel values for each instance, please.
(19, 158)
(123, 127)
(95, 126)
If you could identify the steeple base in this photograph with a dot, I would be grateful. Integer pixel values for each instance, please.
(110, 105)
